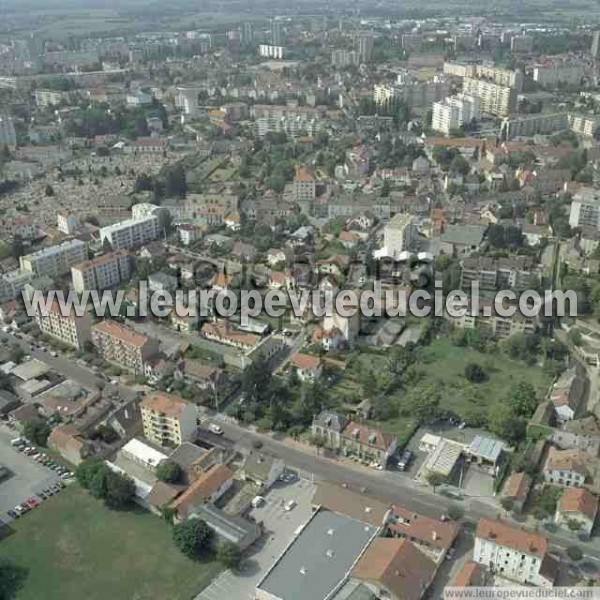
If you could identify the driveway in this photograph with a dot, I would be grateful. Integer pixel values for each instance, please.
(280, 526)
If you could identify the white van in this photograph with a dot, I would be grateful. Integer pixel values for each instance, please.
(257, 501)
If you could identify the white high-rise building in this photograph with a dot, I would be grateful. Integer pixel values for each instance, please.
(131, 233)
(454, 112)
(55, 261)
(103, 272)
(399, 234)
(585, 209)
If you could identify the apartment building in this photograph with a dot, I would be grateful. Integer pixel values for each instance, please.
(131, 233)
(514, 553)
(530, 125)
(167, 419)
(454, 112)
(55, 261)
(304, 185)
(584, 124)
(46, 98)
(585, 209)
(521, 44)
(8, 135)
(13, 282)
(103, 272)
(558, 74)
(519, 273)
(418, 95)
(66, 222)
(399, 234)
(499, 100)
(345, 58)
(291, 120)
(507, 77)
(208, 209)
(123, 346)
(70, 329)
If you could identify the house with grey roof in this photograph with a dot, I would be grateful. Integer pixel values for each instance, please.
(262, 469)
(329, 426)
(462, 240)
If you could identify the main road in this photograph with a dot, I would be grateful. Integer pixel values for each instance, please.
(386, 485)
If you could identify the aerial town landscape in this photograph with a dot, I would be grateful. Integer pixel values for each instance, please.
(244, 149)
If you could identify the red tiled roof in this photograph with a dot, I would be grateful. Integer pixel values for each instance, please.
(499, 532)
(578, 500)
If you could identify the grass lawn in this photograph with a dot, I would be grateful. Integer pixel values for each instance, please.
(444, 363)
(76, 548)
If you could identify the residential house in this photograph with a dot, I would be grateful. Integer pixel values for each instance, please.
(517, 488)
(566, 395)
(576, 510)
(223, 333)
(394, 568)
(306, 366)
(262, 469)
(368, 443)
(565, 467)
(207, 489)
(66, 440)
(514, 553)
(329, 426)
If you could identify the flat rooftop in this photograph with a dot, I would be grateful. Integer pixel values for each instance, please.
(319, 559)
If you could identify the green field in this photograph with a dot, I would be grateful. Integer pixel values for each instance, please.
(444, 363)
(76, 548)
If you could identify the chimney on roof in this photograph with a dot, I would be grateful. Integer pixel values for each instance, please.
(302, 570)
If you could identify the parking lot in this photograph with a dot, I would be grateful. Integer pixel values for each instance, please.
(27, 478)
(280, 526)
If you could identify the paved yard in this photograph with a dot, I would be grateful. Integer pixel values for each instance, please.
(280, 526)
(27, 479)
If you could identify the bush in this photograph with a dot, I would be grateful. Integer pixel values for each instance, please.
(169, 471)
(193, 537)
(455, 512)
(229, 555)
(574, 553)
(37, 432)
(475, 373)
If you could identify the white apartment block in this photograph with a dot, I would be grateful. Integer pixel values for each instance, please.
(495, 99)
(399, 234)
(55, 261)
(131, 233)
(585, 209)
(8, 136)
(167, 419)
(513, 553)
(103, 272)
(416, 94)
(530, 125)
(123, 346)
(144, 210)
(71, 329)
(13, 282)
(67, 223)
(454, 112)
(584, 124)
(269, 51)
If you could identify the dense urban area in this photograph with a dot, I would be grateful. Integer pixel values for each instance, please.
(241, 147)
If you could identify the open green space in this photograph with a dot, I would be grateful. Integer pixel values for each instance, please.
(74, 547)
(444, 363)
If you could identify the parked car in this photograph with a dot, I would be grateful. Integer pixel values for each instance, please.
(13, 514)
(290, 505)
(258, 501)
(213, 428)
(405, 459)
(33, 502)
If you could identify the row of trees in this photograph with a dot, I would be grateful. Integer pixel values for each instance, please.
(117, 490)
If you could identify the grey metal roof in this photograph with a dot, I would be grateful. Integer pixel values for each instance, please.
(470, 235)
(319, 559)
(486, 447)
(237, 530)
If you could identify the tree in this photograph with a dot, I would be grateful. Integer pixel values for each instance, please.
(17, 354)
(168, 471)
(120, 490)
(574, 553)
(523, 399)
(229, 555)
(507, 504)
(455, 512)
(49, 190)
(193, 537)
(574, 525)
(434, 479)
(459, 165)
(12, 578)
(175, 182)
(86, 470)
(504, 423)
(37, 432)
(99, 484)
(475, 373)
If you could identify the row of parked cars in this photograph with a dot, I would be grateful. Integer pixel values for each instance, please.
(22, 444)
(25, 507)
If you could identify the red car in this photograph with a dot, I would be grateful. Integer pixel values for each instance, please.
(33, 502)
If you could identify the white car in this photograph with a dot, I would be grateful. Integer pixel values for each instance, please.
(54, 354)
(289, 505)
(215, 429)
(258, 501)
